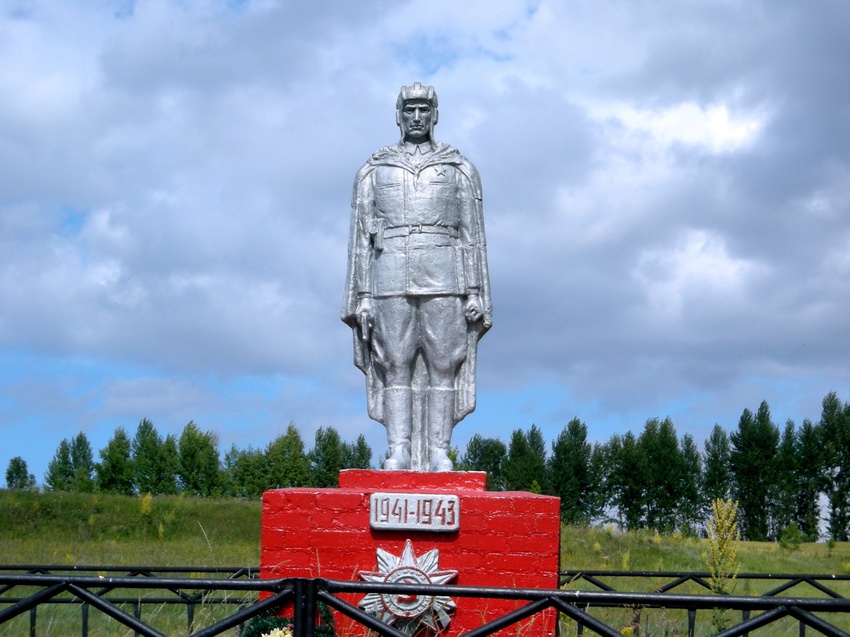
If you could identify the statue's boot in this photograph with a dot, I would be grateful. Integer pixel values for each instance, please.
(441, 404)
(397, 412)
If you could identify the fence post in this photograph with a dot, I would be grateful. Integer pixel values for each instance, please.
(137, 611)
(298, 607)
(580, 626)
(310, 608)
(84, 610)
(190, 617)
(304, 611)
(32, 621)
(745, 615)
(692, 620)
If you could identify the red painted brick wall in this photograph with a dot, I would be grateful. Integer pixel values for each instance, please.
(505, 539)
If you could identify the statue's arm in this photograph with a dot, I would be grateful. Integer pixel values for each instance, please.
(363, 212)
(471, 238)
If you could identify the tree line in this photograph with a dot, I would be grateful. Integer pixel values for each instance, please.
(192, 464)
(654, 480)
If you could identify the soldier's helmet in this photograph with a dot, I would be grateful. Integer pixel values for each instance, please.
(416, 92)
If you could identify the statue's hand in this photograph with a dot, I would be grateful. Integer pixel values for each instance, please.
(472, 309)
(365, 315)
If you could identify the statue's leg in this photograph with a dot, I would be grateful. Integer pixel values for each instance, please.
(397, 414)
(396, 337)
(443, 329)
(440, 408)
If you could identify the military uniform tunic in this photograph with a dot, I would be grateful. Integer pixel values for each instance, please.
(419, 223)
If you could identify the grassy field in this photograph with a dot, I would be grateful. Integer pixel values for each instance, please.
(65, 529)
(80, 529)
(595, 548)
(98, 530)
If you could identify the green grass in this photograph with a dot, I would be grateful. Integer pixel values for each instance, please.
(110, 530)
(594, 548)
(103, 530)
(68, 529)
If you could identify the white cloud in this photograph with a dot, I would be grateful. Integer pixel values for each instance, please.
(696, 270)
(712, 128)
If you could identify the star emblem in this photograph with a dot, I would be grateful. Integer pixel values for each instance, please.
(409, 613)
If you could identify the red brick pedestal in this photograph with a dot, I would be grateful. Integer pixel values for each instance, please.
(506, 539)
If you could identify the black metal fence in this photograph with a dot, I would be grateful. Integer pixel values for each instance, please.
(677, 579)
(773, 585)
(194, 593)
(121, 598)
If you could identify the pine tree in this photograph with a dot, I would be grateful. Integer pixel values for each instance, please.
(82, 461)
(167, 484)
(155, 461)
(627, 485)
(326, 458)
(245, 474)
(753, 460)
(17, 475)
(114, 472)
(810, 458)
(357, 455)
(717, 483)
(569, 475)
(514, 466)
(287, 462)
(600, 478)
(488, 455)
(692, 506)
(524, 468)
(661, 462)
(785, 481)
(660, 465)
(537, 445)
(146, 457)
(198, 470)
(60, 470)
(835, 428)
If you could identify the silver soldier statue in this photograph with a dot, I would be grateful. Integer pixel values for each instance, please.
(418, 291)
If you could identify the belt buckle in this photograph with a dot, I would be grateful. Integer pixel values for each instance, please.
(417, 229)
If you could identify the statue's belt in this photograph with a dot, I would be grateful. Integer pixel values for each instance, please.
(379, 232)
(404, 231)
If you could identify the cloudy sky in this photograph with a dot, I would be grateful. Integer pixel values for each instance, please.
(666, 189)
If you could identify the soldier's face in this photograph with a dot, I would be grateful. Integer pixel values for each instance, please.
(416, 116)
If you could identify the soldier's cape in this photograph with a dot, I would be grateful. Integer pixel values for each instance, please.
(465, 378)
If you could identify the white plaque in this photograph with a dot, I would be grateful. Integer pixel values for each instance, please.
(414, 511)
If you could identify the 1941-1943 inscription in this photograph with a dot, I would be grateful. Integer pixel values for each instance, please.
(414, 511)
